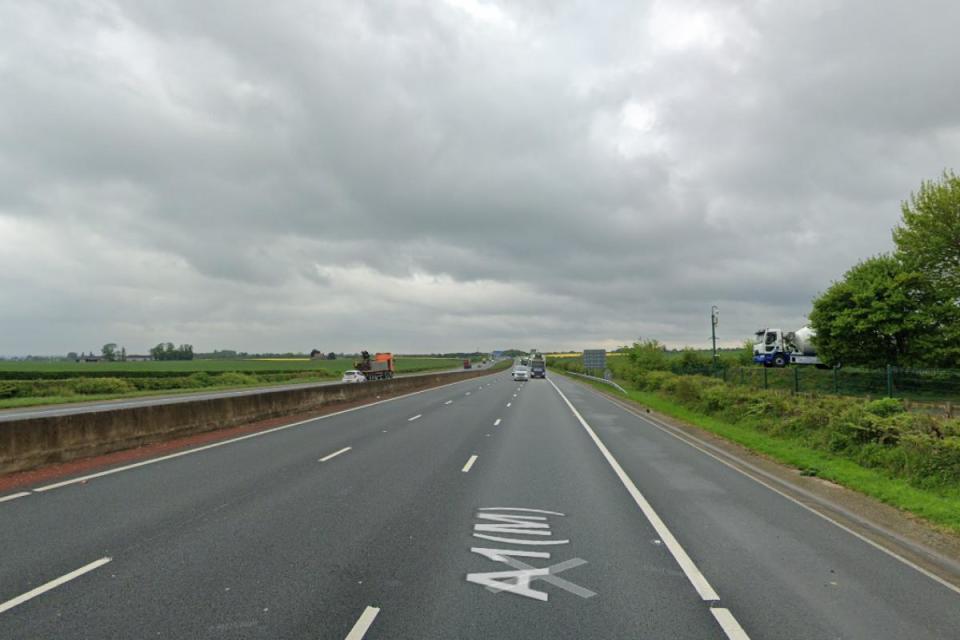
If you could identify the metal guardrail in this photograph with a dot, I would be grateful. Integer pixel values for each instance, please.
(609, 382)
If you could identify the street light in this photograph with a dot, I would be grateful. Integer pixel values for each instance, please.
(714, 321)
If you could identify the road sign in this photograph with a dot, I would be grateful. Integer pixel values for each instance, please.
(594, 359)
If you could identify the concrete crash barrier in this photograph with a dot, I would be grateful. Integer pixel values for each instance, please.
(33, 442)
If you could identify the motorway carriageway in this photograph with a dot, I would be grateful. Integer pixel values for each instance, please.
(42, 411)
(480, 509)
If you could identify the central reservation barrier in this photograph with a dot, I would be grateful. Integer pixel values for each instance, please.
(33, 442)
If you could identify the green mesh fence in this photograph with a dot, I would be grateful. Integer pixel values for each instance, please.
(918, 384)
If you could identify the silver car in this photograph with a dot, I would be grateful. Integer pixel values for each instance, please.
(353, 376)
(521, 374)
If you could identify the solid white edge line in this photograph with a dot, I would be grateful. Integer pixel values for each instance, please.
(14, 496)
(687, 565)
(729, 624)
(469, 465)
(496, 422)
(416, 417)
(238, 439)
(53, 584)
(875, 545)
(362, 625)
(334, 454)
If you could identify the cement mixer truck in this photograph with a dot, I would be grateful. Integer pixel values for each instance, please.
(777, 348)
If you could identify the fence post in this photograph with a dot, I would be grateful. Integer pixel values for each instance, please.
(796, 379)
(765, 384)
(889, 381)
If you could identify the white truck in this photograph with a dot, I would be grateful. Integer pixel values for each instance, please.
(777, 348)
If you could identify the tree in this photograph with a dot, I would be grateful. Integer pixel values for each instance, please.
(123, 354)
(166, 351)
(928, 241)
(648, 354)
(72, 356)
(928, 237)
(881, 312)
(331, 356)
(691, 360)
(109, 351)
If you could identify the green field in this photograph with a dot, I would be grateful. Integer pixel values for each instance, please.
(25, 384)
(403, 364)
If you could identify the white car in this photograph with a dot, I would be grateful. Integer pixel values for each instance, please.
(353, 376)
(521, 374)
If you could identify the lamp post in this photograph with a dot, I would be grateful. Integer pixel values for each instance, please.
(714, 321)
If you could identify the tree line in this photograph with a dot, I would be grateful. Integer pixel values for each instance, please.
(166, 351)
(901, 308)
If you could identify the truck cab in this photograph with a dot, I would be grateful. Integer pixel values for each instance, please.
(777, 348)
(768, 349)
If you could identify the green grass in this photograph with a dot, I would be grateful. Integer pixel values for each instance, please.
(939, 507)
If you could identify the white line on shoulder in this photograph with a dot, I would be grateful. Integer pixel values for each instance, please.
(334, 454)
(689, 568)
(53, 584)
(362, 625)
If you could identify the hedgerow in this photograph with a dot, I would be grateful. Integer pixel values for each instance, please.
(880, 434)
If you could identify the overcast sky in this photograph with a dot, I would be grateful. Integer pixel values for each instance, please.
(434, 176)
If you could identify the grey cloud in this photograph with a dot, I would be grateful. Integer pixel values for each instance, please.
(409, 176)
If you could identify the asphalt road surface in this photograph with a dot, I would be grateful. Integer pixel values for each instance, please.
(40, 411)
(482, 509)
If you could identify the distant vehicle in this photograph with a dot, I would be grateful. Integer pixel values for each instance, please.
(538, 368)
(521, 374)
(353, 375)
(467, 364)
(777, 348)
(378, 367)
(524, 362)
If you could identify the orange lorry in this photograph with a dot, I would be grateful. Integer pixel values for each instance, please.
(378, 367)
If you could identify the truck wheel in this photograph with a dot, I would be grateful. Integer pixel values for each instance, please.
(779, 361)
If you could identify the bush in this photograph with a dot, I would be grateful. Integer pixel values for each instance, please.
(95, 386)
(199, 379)
(884, 407)
(235, 378)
